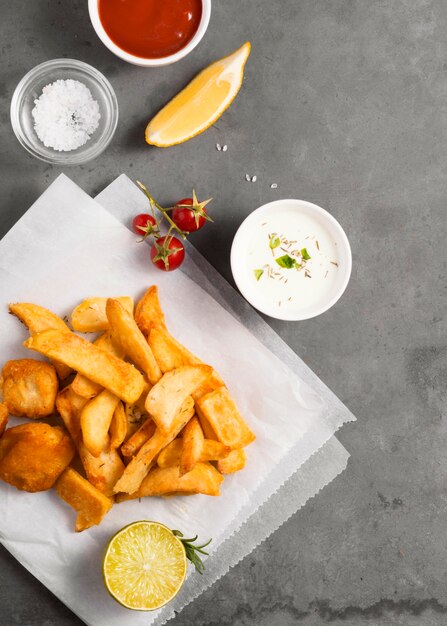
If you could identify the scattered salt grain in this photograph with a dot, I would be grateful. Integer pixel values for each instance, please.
(225, 148)
(65, 115)
(218, 146)
(247, 178)
(254, 179)
(274, 186)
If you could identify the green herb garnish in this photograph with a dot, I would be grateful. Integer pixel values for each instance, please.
(304, 253)
(191, 550)
(286, 261)
(258, 273)
(274, 241)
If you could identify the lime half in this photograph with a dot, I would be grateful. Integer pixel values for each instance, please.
(144, 566)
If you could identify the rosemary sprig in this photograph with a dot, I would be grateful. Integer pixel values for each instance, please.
(191, 550)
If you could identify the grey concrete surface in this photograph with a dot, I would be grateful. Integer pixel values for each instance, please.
(344, 104)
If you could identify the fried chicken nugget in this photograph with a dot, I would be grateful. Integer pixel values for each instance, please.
(4, 413)
(34, 455)
(29, 387)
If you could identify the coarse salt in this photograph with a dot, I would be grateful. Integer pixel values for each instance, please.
(65, 115)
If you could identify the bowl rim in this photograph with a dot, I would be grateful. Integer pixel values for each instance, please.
(70, 157)
(342, 240)
(142, 61)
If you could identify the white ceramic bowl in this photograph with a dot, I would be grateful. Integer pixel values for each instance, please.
(258, 293)
(143, 62)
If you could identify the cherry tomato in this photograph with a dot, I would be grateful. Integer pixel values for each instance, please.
(141, 223)
(167, 253)
(187, 219)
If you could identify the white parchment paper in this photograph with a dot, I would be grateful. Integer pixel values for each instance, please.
(68, 247)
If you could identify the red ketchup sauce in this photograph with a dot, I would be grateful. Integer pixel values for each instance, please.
(151, 29)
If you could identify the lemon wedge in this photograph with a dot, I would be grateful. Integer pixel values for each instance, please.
(201, 103)
(144, 566)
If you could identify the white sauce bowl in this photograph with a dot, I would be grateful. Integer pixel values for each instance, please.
(144, 62)
(283, 293)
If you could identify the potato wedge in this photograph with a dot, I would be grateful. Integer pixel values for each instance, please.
(220, 410)
(4, 413)
(119, 377)
(96, 418)
(168, 352)
(211, 451)
(147, 429)
(204, 478)
(234, 462)
(86, 387)
(214, 381)
(192, 445)
(148, 311)
(165, 399)
(143, 461)
(118, 426)
(102, 471)
(90, 504)
(126, 334)
(38, 319)
(90, 316)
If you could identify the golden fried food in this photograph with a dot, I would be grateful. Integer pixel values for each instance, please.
(90, 316)
(29, 387)
(148, 311)
(234, 462)
(34, 455)
(4, 413)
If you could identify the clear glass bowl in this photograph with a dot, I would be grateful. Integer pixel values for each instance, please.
(30, 88)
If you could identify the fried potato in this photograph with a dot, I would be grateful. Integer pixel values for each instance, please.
(126, 334)
(90, 503)
(204, 478)
(96, 418)
(165, 399)
(143, 461)
(29, 387)
(102, 471)
(214, 381)
(86, 387)
(234, 462)
(168, 352)
(148, 311)
(90, 316)
(38, 319)
(118, 426)
(134, 443)
(34, 455)
(4, 413)
(220, 410)
(211, 451)
(192, 445)
(119, 377)
(69, 406)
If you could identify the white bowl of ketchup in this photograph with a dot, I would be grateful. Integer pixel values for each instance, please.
(150, 33)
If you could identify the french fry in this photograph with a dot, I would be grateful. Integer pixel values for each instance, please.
(204, 478)
(102, 471)
(4, 413)
(118, 426)
(90, 316)
(143, 461)
(96, 418)
(69, 406)
(119, 377)
(214, 381)
(165, 399)
(220, 410)
(211, 451)
(90, 504)
(234, 462)
(147, 429)
(192, 445)
(148, 311)
(38, 319)
(168, 352)
(126, 334)
(86, 387)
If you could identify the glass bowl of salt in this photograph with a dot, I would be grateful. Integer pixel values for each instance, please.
(64, 112)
